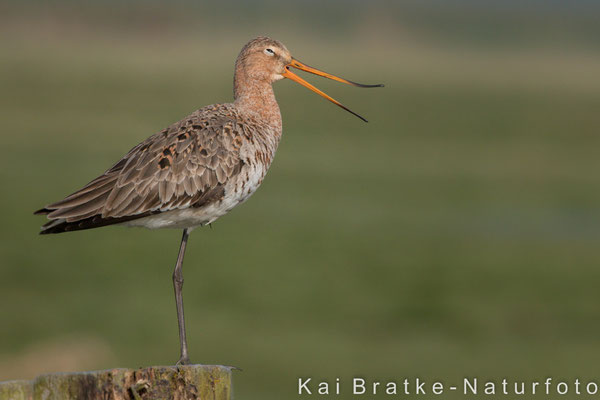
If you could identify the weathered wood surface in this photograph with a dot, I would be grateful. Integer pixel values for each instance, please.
(203, 382)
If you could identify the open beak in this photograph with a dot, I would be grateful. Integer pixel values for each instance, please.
(297, 64)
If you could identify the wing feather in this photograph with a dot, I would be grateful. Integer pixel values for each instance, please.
(182, 166)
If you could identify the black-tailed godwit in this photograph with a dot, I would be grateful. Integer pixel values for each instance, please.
(197, 169)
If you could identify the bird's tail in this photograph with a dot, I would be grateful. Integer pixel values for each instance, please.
(60, 225)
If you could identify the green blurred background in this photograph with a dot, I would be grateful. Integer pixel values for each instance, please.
(457, 234)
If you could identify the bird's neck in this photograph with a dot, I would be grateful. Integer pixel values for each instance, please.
(256, 97)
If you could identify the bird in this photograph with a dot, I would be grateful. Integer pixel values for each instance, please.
(197, 169)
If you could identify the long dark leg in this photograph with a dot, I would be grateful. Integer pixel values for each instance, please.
(178, 285)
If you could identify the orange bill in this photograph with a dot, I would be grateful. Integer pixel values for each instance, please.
(297, 64)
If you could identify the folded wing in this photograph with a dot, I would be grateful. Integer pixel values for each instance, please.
(185, 165)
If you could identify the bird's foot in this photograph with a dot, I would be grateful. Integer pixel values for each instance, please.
(183, 361)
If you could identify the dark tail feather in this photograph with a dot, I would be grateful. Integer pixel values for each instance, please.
(61, 225)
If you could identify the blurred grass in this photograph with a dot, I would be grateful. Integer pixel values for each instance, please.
(454, 235)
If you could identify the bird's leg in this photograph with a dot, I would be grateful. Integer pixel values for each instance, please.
(178, 285)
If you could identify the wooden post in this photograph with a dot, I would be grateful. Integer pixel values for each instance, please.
(201, 382)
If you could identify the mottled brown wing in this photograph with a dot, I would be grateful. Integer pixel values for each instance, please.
(185, 165)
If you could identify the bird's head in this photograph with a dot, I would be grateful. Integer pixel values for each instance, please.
(264, 59)
(268, 60)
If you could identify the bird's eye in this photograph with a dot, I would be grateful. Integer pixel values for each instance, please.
(269, 52)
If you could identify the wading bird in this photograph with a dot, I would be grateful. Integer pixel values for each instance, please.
(197, 169)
